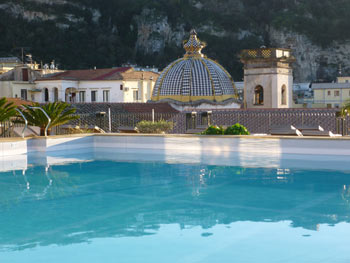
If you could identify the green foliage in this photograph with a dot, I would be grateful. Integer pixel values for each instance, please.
(7, 110)
(236, 129)
(214, 130)
(156, 127)
(59, 112)
(345, 110)
(110, 39)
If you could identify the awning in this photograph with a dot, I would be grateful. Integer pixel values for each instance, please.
(35, 90)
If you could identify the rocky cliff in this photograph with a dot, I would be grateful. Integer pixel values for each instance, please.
(86, 33)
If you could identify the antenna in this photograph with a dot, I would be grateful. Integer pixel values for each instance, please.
(340, 72)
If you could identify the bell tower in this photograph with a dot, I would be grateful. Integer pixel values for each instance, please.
(268, 78)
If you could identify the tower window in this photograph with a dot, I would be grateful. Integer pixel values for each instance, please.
(284, 95)
(259, 95)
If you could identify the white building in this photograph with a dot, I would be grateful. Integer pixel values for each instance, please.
(123, 84)
(19, 82)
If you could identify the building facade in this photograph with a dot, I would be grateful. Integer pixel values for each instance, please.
(97, 85)
(268, 78)
(330, 95)
(19, 83)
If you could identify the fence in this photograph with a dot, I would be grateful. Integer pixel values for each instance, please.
(11, 129)
(124, 119)
(257, 121)
(261, 121)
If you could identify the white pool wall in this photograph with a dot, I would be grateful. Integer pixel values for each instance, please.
(269, 145)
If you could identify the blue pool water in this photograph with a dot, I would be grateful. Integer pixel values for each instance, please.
(153, 211)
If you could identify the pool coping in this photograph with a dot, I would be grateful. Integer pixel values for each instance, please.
(274, 137)
(266, 146)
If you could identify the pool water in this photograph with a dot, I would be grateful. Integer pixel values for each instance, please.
(120, 211)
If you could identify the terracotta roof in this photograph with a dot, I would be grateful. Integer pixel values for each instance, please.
(19, 102)
(121, 73)
(129, 75)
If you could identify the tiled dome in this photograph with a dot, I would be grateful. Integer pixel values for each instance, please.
(194, 77)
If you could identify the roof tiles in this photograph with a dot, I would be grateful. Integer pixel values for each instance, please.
(121, 73)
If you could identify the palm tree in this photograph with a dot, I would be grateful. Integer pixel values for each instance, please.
(7, 110)
(345, 110)
(59, 113)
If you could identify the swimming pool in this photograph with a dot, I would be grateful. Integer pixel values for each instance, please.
(105, 205)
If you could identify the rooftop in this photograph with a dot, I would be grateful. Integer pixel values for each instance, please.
(9, 60)
(266, 53)
(330, 86)
(121, 73)
(19, 102)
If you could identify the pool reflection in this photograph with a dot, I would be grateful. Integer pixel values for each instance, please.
(81, 201)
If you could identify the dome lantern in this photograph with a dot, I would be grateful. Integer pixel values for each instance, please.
(194, 46)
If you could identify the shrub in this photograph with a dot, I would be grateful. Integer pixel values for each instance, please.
(214, 130)
(154, 127)
(237, 129)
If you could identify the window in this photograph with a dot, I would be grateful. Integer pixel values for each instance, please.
(94, 96)
(24, 94)
(82, 96)
(55, 94)
(329, 93)
(70, 95)
(336, 93)
(46, 95)
(259, 95)
(135, 94)
(106, 96)
(121, 86)
(24, 74)
(284, 95)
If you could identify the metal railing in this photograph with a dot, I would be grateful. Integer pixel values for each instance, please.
(25, 122)
(47, 116)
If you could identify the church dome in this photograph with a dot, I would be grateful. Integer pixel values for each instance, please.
(194, 78)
